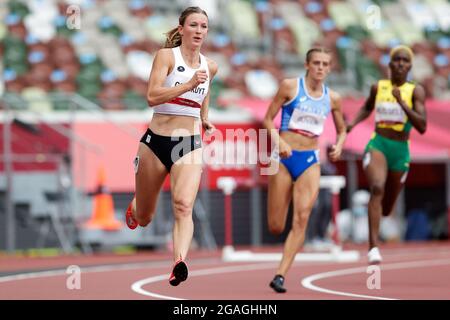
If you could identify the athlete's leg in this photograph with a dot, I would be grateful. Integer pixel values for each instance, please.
(394, 184)
(278, 199)
(376, 172)
(149, 177)
(305, 192)
(185, 180)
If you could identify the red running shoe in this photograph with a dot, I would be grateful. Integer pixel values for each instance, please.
(131, 222)
(179, 273)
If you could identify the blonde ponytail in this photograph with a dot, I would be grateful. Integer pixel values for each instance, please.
(173, 38)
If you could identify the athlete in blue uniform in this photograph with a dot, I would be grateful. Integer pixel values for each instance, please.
(305, 103)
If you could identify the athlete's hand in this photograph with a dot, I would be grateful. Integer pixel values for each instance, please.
(208, 126)
(199, 77)
(396, 93)
(285, 149)
(335, 153)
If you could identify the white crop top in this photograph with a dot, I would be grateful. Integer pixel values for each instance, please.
(190, 102)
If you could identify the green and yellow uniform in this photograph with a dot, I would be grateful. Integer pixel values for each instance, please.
(389, 114)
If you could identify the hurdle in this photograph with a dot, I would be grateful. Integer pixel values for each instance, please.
(335, 254)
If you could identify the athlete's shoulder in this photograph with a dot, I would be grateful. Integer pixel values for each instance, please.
(212, 65)
(289, 83)
(288, 88)
(164, 54)
(412, 83)
(419, 90)
(334, 96)
(164, 51)
(335, 99)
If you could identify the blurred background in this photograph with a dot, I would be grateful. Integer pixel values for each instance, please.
(73, 108)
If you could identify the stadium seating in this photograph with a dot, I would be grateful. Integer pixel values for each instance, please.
(109, 59)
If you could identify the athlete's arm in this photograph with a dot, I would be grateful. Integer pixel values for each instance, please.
(157, 93)
(417, 115)
(339, 123)
(366, 109)
(213, 67)
(283, 95)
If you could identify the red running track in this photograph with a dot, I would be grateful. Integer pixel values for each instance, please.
(409, 271)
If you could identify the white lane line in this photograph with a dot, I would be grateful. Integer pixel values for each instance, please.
(61, 272)
(32, 275)
(92, 269)
(88, 269)
(308, 281)
(137, 286)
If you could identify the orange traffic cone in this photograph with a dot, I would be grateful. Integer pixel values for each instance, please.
(103, 214)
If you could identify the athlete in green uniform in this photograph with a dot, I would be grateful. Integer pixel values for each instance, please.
(399, 105)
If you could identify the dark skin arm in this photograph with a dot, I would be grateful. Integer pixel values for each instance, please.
(417, 115)
(366, 109)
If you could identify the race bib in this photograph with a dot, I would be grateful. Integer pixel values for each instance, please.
(389, 112)
(306, 122)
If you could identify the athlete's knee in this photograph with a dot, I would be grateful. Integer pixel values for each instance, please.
(377, 189)
(182, 207)
(275, 227)
(300, 220)
(144, 217)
